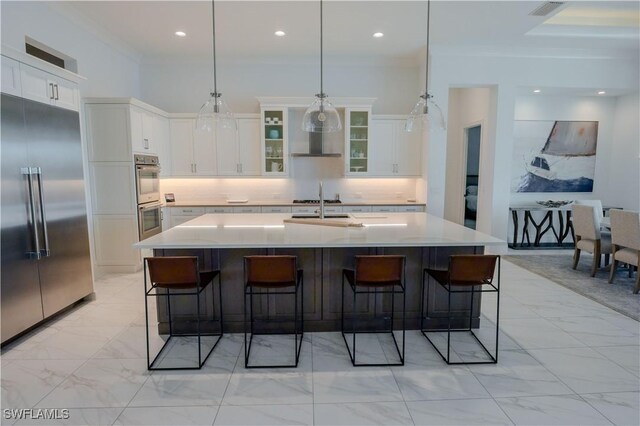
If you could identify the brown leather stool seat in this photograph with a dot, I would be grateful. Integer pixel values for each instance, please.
(276, 272)
(466, 274)
(181, 276)
(381, 274)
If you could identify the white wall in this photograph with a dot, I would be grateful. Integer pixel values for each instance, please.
(624, 169)
(507, 74)
(467, 108)
(109, 71)
(181, 86)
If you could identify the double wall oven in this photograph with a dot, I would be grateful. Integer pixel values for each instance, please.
(148, 194)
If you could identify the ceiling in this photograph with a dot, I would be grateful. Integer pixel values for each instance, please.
(245, 29)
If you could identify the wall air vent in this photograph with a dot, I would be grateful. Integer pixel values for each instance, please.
(546, 8)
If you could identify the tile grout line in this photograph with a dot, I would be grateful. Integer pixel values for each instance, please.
(595, 408)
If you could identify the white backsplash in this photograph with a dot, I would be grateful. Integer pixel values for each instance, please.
(287, 189)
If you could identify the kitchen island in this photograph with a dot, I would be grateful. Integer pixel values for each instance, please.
(221, 241)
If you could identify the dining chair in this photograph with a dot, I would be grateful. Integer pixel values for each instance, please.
(588, 236)
(625, 247)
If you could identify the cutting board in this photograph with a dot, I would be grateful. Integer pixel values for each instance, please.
(325, 222)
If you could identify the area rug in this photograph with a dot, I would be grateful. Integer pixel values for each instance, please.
(557, 268)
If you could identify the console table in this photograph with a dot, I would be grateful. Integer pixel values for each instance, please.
(542, 226)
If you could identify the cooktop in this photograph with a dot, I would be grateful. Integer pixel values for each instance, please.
(316, 201)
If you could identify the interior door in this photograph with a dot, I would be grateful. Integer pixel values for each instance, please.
(21, 304)
(54, 147)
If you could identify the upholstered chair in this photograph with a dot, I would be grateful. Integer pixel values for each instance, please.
(588, 236)
(625, 236)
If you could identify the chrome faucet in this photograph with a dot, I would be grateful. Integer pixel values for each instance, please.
(321, 209)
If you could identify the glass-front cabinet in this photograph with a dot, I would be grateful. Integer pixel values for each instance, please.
(357, 141)
(275, 146)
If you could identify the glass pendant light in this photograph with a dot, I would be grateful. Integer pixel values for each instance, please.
(321, 116)
(426, 110)
(215, 113)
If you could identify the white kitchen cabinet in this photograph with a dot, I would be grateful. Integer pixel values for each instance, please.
(11, 77)
(238, 151)
(247, 209)
(385, 209)
(393, 151)
(193, 151)
(187, 211)
(142, 137)
(160, 138)
(276, 209)
(274, 146)
(308, 209)
(113, 188)
(41, 86)
(219, 209)
(108, 132)
(357, 141)
(356, 209)
(405, 209)
(165, 217)
(179, 220)
(114, 236)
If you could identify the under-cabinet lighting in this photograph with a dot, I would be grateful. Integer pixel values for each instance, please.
(196, 226)
(378, 35)
(370, 225)
(180, 33)
(536, 91)
(602, 92)
(253, 226)
(280, 33)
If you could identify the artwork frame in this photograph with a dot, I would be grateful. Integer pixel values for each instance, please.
(554, 155)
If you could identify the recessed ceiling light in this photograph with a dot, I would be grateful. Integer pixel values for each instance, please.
(536, 91)
(180, 33)
(280, 33)
(378, 35)
(602, 92)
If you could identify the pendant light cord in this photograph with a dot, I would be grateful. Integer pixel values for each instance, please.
(426, 84)
(321, 47)
(213, 39)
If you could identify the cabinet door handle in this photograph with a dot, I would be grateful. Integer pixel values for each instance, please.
(52, 96)
(240, 167)
(146, 143)
(57, 93)
(195, 167)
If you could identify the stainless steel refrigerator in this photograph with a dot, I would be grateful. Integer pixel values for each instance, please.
(45, 246)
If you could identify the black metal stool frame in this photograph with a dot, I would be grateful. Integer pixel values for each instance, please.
(447, 359)
(393, 292)
(248, 291)
(168, 295)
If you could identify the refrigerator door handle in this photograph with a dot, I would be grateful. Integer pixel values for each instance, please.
(26, 171)
(44, 252)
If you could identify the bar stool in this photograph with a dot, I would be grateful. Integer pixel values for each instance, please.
(386, 273)
(464, 274)
(265, 273)
(181, 276)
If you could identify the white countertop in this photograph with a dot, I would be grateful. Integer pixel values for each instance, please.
(253, 203)
(269, 231)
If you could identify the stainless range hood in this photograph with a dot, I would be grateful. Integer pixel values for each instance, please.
(316, 149)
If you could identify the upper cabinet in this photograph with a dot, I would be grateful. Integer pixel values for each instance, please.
(11, 77)
(119, 128)
(41, 86)
(239, 150)
(193, 152)
(357, 144)
(275, 146)
(393, 151)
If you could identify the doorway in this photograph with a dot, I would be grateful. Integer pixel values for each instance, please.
(472, 136)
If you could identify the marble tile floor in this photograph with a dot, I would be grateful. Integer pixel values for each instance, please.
(564, 360)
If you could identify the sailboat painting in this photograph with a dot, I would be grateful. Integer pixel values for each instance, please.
(554, 156)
